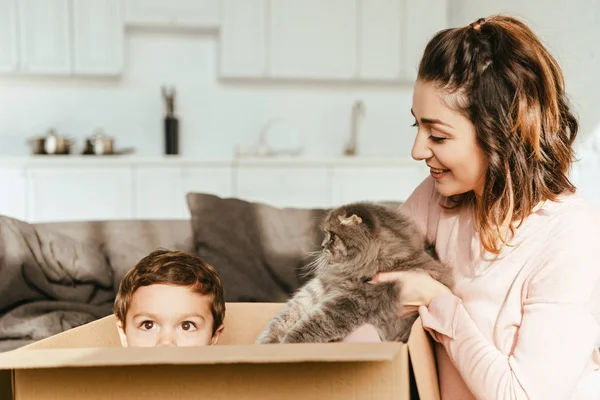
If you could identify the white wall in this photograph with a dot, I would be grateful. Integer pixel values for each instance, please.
(215, 116)
(570, 29)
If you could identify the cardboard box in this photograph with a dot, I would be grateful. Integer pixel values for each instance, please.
(88, 363)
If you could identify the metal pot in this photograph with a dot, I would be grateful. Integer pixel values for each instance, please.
(99, 143)
(50, 144)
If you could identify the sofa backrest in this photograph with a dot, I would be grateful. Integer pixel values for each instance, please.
(125, 242)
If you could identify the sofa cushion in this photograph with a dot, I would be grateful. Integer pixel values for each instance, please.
(49, 282)
(260, 251)
(125, 242)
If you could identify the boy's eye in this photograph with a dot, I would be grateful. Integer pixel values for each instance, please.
(147, 325)
(188, 326)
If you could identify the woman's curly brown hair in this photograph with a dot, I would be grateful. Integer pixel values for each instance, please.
(512, 89)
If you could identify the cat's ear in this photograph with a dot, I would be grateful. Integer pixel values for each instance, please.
(352, 220)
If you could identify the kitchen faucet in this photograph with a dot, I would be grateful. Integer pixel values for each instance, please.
(358, 110)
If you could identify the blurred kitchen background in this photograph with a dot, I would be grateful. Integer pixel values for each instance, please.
(300, 103)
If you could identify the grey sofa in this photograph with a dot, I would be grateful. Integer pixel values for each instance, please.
(56, 276)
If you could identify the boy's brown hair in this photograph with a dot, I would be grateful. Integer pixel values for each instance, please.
(176, 268)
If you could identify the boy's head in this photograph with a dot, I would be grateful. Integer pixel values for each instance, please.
(170, 298)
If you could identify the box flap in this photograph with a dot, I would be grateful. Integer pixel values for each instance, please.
(422, 358)
(272, 353)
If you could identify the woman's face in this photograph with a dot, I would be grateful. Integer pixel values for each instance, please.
(446, 141)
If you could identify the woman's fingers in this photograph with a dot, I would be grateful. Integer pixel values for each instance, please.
(387, 277)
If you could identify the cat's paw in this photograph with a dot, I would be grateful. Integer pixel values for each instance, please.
(268, 338)
(298, 337)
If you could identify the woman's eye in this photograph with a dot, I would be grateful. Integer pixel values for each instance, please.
(415, 124)
(188, 326)
(437, 139)
(147, 325)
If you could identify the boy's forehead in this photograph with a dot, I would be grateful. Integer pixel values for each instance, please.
(167, 299)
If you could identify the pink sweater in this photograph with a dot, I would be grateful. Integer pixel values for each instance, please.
(526, 326)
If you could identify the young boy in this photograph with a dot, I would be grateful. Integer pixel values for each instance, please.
(170, 298)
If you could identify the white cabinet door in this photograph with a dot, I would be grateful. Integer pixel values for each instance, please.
(8, 36)
(350, 184)
(159, 193)
(303, 187)
(45, 27)
(13, 193)
(313, 39)
(380, 36)
(172, 13)
(242, 39)
(424, 18)
(80, 193)
(98, 37)
(217, 180)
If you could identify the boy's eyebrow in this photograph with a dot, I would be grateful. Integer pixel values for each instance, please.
(145, 314)
(193, 315)
(152, 316)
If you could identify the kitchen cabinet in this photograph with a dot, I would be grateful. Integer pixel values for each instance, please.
(423, 19)
(211, 179)
(203, 14)
(13, 192)
(350, 184)
(312, 39)
(327, 40)
(81, 194)
(45, 33)
(160, 192)
(379, 40)
(98, 37)
(8, 36)
(47, 188)
(243, 39)
(283, 186)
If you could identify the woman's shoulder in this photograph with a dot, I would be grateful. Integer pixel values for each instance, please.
(570, 231)
(570, 216)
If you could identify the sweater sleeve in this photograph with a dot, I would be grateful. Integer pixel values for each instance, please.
(557, 334)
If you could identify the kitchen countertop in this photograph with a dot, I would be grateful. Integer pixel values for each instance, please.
(133, 160)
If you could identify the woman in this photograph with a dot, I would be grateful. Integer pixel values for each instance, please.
(494, 126)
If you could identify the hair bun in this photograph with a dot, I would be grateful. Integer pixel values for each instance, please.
(476, 26)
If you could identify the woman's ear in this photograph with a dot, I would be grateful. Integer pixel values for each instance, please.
(122, 335)
(216, 335)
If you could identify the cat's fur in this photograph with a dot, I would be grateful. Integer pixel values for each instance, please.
(361, 239)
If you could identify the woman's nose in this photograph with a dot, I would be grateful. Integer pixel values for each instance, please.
(421, 150)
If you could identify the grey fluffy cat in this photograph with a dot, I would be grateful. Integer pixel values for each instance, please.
(361, 239)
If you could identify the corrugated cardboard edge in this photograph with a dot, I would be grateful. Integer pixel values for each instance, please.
(422, 358)
(419, 347)
(208, 355)
(6, 384)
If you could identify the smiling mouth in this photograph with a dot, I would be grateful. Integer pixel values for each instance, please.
(438, 171)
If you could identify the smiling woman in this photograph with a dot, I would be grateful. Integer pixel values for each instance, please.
(494, 126)
(447, 143)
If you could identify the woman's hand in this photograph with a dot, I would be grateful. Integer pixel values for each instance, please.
(417, 289)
